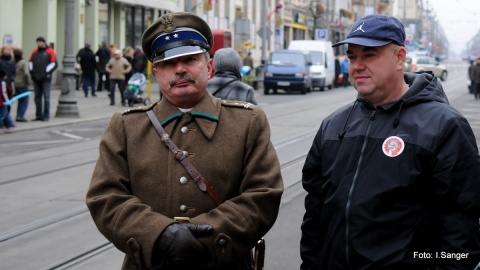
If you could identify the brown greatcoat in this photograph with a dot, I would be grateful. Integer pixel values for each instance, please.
(136, 187)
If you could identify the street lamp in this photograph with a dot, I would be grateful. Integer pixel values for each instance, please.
(67, 103)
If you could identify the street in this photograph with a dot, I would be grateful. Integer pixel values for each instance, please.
(44, 223)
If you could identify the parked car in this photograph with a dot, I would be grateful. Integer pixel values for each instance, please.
(288, 70)
(416, 63)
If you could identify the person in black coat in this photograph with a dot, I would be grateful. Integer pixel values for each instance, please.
(338, 71)
(103, 55)
(89, 65)
(227, 80)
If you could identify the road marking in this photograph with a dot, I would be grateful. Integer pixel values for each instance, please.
(68, 135)
(34, 143)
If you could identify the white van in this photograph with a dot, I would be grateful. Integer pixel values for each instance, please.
(323, 61)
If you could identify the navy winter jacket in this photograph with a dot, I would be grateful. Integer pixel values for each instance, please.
(393, 187)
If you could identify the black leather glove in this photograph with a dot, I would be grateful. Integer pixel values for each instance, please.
(179, 245)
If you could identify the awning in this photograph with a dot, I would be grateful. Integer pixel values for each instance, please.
(300, 26)
(170, 5)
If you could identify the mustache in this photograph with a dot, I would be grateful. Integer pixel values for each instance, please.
(182, 77)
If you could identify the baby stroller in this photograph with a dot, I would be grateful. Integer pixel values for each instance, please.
(135, 86)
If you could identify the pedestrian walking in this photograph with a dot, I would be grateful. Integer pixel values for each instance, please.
(392, 179)
(128, 54)
(89, 66)
(7, 64)
(147, 203)
(338, 71)
(248, 61)
(6, 122)
(22, 80)
(117, 67)
(103, 54)
(78, 67)
(227, 80)
(471, 86)
(42, 63)
(139, 60)
(344, 66)
(476, 79)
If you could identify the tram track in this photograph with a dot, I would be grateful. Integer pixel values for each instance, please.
(290, 193)
(96, 250)
(81, 257)
(4, 236)
(46, 172)
(70, 213)
(75, 257)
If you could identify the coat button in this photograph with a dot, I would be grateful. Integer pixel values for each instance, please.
(184, 130)
(183, 208)
(185, 153)
(222, 242)
(183, 180)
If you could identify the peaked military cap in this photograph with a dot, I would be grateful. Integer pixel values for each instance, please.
(176, 34)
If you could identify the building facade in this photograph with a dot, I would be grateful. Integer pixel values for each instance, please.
(122, 22)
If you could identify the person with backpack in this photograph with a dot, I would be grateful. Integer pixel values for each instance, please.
(42, 63)
(226, 82)
(22, 80)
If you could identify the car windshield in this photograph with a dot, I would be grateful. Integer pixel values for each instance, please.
(287, 59)
(317, 58)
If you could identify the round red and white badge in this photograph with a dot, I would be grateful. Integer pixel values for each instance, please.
(393, 146)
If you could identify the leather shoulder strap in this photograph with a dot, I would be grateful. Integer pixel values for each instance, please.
(201, 181)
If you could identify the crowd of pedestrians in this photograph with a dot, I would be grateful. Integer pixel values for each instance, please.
(21, 75)
(17, 74)
(113, 66)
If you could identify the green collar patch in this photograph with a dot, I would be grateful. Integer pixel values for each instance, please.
(204, 115)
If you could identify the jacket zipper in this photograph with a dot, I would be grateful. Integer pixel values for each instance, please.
(352, 187)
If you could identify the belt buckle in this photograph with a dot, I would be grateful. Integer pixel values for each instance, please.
(182, 219)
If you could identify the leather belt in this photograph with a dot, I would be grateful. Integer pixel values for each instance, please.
(202, 183)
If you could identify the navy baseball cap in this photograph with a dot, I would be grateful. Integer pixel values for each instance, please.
(374, 31)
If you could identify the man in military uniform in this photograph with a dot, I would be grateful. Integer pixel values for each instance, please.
(142, 198)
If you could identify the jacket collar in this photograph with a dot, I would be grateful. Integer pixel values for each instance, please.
(206, 114)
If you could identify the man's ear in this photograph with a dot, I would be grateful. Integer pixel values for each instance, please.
(401, 56)
(210, 67)
(154, 70)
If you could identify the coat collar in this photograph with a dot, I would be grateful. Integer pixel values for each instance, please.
(206, 114)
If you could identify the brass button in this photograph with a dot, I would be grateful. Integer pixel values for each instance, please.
(222, 242)
(184, 130)
(183, 208)
(183, 180)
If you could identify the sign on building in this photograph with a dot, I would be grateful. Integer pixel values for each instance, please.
(321, 34)
(8, 40)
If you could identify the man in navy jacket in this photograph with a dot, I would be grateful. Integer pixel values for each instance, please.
(393, 179)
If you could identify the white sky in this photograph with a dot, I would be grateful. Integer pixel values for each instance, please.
(460, 19)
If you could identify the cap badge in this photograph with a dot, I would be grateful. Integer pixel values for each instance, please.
(167, 20)
(393, 146)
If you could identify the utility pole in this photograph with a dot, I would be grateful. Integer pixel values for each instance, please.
(67, 103)
(264, 32)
